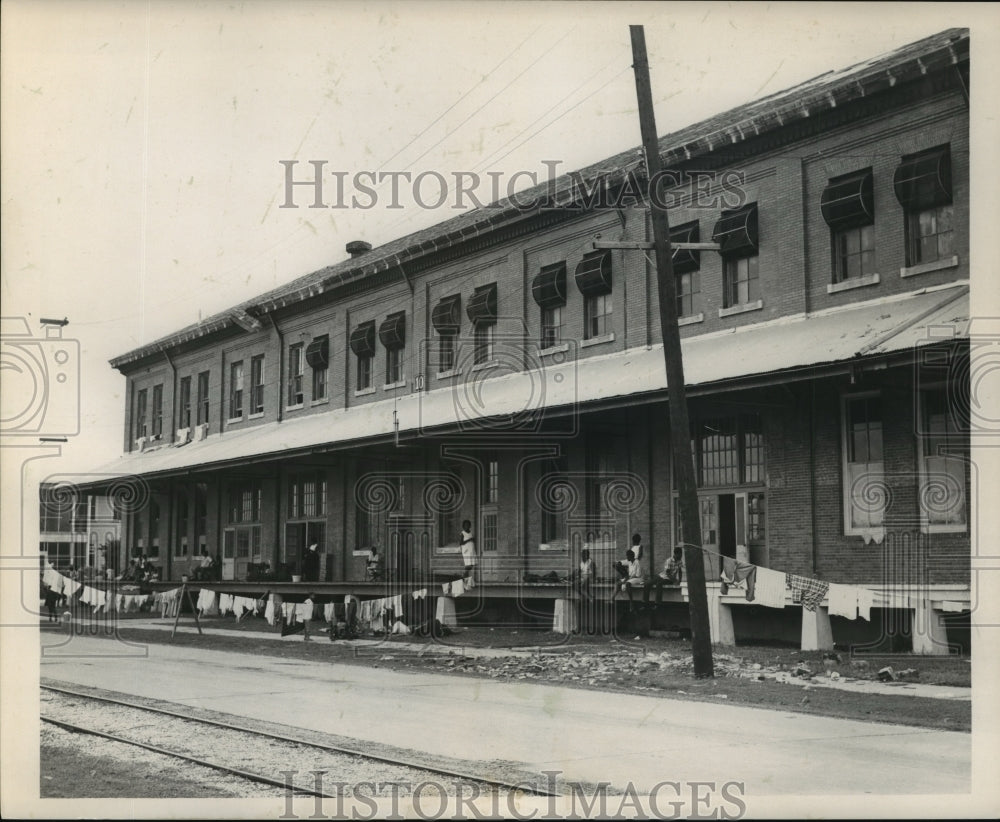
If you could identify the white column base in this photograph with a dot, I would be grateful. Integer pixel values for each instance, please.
(720, 621)
(929, 634)
(446, 612)
(816, 632)
(564, 619)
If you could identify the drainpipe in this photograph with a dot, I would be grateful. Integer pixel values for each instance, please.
(281, 365)
(173, 396)
(222, 393)
(812, 473)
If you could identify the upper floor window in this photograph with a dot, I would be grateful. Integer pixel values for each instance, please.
(848, 207)
(141, 409)
(548, 289)
(245, 501)
(296, 363)
(236, 390)
(737, 234)
(447, 320)
(362, 343)
(318, 358)
(923, 186)
(593, 279)
(257, 384)
(686, 265)
(392, 335)
(203, 404)
(157, 411)
(307, 496)
(482, 311)
(185, 403)
(491, 481)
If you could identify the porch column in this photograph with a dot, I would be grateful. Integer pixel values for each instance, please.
(720, 620)
(445, 613)
(564, 619)
(929, 634)
(816, 632)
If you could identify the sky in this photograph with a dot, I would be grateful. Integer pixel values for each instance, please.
(142, 142)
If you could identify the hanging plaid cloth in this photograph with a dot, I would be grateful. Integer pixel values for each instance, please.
(810, 591)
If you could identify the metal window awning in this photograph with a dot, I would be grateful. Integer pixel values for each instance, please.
(849, 201)
(446, 316)
(685, 259)
(363, 340)
(593, 274)
(482, 306)
(736, 232)
(318, 353)
(549, 286)
(924, 180)
(392, 332)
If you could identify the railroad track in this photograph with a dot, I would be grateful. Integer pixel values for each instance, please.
(421, 769)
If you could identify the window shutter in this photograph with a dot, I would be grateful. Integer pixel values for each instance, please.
(736, 232)
(849, 201)
(318, 353)
(363, 340)
(923, 180)
(685, 260)
(446, 316)
(392, 332)
(593, 274)
(549, 286)
(482, 306)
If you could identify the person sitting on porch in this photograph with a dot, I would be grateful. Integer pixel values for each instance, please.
(671, 575)
(132, 572)
(622, 565)
(204, 569)
(636, 577)
(373, 569)
(468, 544)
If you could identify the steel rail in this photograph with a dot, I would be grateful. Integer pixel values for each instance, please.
(408, 763)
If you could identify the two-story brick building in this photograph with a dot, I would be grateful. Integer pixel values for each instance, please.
(499, 367)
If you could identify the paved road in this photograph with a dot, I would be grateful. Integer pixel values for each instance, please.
(587, 735)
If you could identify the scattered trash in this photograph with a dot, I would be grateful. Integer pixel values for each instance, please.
(832, 656)
(886, 674)
(834, 676)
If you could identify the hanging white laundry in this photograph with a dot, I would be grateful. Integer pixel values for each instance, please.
(769, 589)
(269, 612)
(328, 611)
(866, 598)
(470, 583)
(421, 594)
(952, 606)
(458, 588)
(446, 589)
(225, 603)
(843, 600)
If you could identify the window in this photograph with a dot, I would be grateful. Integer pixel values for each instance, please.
(362, 343)
(554, 494)
(593, 279)
(141, 429)
(597, 313)
(372, 518)
(257, 384)
(491, 481)
(185, 403)
(236, 390)
(482, 311)
(318, 358)
(245, 502)
(931, 235)
(548, 289)
(848, 207)
(201, 515)
(864, 488)
(183, 525)
(740, 281)
(490, 532)
(942, 463)
(853, 253)
(729, 450)
(393, 365)
(483, 340)
(756, 508)
(295, 371)
(154, 528)
(364, 373)
(552, 323)
(203, 397)
(687, 290)
(157, 411)
(392, 335)
(448, 504)
(307, 496)
(447, 321)
(922, 184)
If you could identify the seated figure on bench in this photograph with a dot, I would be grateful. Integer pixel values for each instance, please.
(635, 577)
(373, 569)
(583, 577)
(670, 576)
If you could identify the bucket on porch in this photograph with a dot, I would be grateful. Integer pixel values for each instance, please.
(296, 578)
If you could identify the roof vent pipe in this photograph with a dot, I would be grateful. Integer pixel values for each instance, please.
(357, 248)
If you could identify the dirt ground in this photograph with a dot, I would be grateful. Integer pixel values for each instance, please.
(777, 678)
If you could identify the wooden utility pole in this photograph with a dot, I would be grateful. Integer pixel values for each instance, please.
(680, 431)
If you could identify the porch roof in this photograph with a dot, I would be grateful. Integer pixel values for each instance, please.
(838, 336)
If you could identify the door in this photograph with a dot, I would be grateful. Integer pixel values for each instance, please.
(727, 527)
(229, 554)
(742, 534)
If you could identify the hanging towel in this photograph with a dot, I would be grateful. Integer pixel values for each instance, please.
(421, 594)
(843, 600)
(469, 582)
(952, 606)
(225, 603)
(769, 588)
(269, 612)
(738, 573)
(866, 598)
(810, 591)
(458, 587)
(328, 610)
(446, 589)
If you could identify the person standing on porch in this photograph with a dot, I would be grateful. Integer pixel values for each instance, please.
(468, 548)
(310, 564)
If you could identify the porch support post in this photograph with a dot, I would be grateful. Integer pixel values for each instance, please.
(445, 612)
(564, 619)
(720, 621)
(816, 632)
(929, 634)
